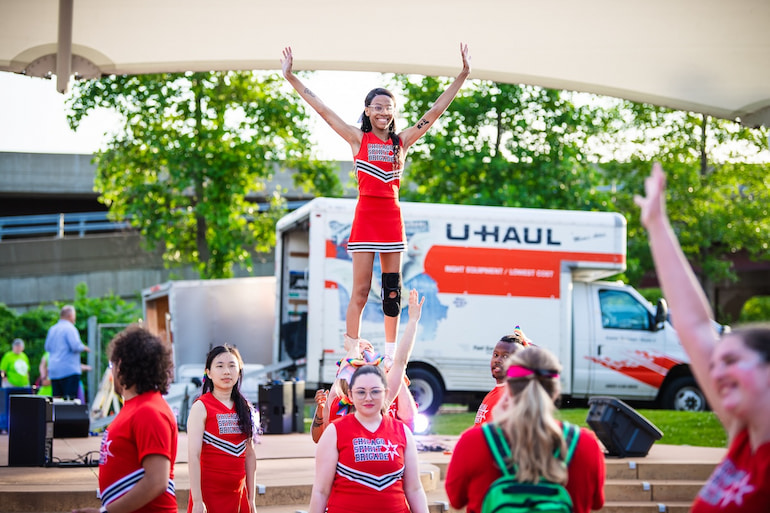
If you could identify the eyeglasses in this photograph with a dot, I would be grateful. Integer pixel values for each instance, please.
(361, 393)
(379, 109)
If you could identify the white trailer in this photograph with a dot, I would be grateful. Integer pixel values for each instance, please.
(483, 270)
(196, 315)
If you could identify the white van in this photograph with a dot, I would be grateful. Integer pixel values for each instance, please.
(483, 270)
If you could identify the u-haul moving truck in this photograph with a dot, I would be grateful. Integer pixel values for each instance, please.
(483, 270)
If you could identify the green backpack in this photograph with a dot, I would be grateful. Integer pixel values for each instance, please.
(507, 495)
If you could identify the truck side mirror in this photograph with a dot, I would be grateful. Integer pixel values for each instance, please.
(661, 314)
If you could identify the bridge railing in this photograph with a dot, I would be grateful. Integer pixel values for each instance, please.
(80, 224)
(59, 225)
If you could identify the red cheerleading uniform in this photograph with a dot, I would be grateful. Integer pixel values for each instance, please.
(484, 413)
(370, 467)
(472, 470)
(144, 426)
(740, 483)
(378, 225)
(223, 460)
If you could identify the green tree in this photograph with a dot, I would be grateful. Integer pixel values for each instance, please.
(503, 144)
(32, 325)
(192, 147)
(718, 186)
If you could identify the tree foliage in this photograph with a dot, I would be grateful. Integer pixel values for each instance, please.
(515, 145)
(192, 148)
(32, 326)
(503, 144)
(718, 186)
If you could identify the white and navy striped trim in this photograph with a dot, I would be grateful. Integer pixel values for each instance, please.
(377, 247)
(374, 171)
(122, 486)
(223, 445)
(378, 483)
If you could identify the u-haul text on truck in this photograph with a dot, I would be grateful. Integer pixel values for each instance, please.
(483, 270)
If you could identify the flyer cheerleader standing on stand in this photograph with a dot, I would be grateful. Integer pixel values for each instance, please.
(220, 432)
(378, 226)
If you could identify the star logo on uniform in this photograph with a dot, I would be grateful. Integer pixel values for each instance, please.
(481, 414)
(736, 491)
(105, 450)
(390, 449)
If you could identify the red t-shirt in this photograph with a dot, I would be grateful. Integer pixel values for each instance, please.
(484, 413)
(143, 427)
(370, 467)
(472, 470)
(740, 483)
(376, 169)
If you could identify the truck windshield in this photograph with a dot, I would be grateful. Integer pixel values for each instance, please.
(621, 310)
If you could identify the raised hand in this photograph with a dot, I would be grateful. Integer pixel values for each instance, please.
(653, 204)
(287, 62)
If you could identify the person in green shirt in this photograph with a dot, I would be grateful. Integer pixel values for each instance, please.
(15, 366)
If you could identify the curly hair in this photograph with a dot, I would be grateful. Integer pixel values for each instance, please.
(366, 125)
(242, 407)
(142, 360)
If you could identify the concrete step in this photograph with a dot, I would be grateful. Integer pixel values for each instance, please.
(275, 494)
(286, 468)
(654, 491)
(645, 507)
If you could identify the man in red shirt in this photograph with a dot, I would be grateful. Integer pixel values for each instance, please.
(504, 348)
(136, 459)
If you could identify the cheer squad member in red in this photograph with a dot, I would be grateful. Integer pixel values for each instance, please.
(378, 226)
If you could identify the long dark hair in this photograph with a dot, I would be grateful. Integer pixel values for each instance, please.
(366, 125)
(242, 407)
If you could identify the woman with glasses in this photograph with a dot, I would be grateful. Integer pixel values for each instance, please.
(378, 226)
(367, 461)
(401, 405)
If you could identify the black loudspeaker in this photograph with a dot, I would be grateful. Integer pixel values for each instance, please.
(70, 420)
(5, 393)
(275, 407)
(30, 435)
(621, 430)
(298, 407)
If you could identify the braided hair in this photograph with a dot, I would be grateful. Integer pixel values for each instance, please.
(366, 125)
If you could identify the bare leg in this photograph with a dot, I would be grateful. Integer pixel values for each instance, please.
(362, 283)
(391, 263)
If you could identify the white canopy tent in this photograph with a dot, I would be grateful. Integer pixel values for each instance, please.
(707, 56)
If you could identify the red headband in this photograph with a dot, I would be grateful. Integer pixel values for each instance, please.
(517, 371)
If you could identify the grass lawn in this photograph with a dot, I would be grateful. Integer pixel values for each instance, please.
(679, 427)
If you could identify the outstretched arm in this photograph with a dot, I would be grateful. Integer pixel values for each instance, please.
(350, 133)
(404, 350)
(412, 134)
(689, 306)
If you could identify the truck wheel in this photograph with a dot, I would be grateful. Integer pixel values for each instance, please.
(683, 394)
(426, 389)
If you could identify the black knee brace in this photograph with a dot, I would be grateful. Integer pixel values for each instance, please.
(391, 282)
